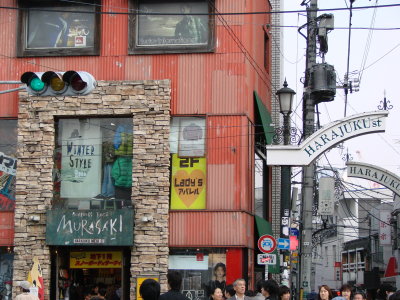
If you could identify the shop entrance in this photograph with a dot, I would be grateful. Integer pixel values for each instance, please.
(79, 274)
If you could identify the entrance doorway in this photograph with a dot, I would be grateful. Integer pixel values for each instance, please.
(82, 274)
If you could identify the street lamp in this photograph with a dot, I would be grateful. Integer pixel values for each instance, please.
(285, 96)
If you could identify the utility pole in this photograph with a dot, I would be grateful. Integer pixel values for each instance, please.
(309, 171)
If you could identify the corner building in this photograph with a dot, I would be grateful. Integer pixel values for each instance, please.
(157, 168)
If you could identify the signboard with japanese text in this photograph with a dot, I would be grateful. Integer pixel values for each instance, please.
(188, 183)
(266, 259)
(95, 260)
(384, 228)
(95, 227)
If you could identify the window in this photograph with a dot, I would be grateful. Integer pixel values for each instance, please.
(188, 136)
(8, 163)
(93, 163)
(54, 28)
(168, 27)
(201, 269)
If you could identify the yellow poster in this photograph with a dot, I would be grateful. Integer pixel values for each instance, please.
(95, 260)
(139, 281)
(188, 184)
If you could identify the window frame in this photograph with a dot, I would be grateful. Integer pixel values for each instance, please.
(23, 51)
(134, 48)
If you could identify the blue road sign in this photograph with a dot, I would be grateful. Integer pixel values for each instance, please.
(283, 244)
(294, 231)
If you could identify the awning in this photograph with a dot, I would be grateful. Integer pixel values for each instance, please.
(264, 227)
(265, 117)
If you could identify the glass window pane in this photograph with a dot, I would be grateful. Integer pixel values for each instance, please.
(159, 30)
(58, 29)
(93, 163)
(8, 164)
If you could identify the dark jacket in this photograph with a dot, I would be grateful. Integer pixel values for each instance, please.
(173, 295)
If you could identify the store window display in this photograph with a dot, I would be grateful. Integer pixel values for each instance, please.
(93, 163)
(202, 271)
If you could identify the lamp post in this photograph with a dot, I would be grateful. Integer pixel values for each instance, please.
(285, 96)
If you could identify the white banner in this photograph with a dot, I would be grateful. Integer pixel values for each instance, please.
(384, 228)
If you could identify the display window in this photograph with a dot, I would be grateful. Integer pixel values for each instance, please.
(8, 163)
(90, 274)
(52, 28)
(6, 273)
(172, 27)
(201, 269)
(93, 163)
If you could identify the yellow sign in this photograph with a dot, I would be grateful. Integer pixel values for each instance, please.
(95, 260)
(188, 184)
(139, 281)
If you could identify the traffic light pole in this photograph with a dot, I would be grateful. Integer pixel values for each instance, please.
(308, 172)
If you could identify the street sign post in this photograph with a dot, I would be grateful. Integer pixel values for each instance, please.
(267, 243)
(266, 259)
(283, 244)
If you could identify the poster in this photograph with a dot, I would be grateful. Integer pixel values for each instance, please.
(188, 183)
(8, 170)
(139, 281)
(81, 158)
(6, 272)
(35, 277)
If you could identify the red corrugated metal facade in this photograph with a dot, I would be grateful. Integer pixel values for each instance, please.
(218, 85)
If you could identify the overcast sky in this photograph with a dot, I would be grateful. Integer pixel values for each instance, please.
(381, 73)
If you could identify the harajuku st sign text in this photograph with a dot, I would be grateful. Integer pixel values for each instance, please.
(376, 174)
(326, 138)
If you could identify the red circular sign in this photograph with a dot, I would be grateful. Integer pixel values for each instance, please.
(267, 243)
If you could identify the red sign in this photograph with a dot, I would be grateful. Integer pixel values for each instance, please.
(6, 228)
(267, 243)
(294, 243)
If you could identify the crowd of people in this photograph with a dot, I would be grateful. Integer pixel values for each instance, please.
(265, 290)
(347, 292)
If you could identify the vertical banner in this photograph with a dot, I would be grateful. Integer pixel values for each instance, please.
(188, 184)
(81, 158)
(384, 228)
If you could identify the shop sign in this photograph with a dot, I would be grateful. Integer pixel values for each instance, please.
(385, 237)
(139, 281)
(326, 138)
(376, 174)
(188, 184)
(95, 260)
(266, 259)
(95, 227)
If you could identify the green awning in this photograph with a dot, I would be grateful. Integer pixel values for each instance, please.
(264, 227)
(265, 117)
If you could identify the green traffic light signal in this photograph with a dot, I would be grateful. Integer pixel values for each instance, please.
(36, 84)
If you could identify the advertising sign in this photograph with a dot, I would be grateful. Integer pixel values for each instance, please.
(188, 184)
(266, 259)
(95, 260)
(96, 227)
(139, 281)
(384, 228)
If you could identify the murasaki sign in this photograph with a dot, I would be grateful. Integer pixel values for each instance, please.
(376, 174)
(95, 227)
(326, 138)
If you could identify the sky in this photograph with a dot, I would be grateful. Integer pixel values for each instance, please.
(381, 75)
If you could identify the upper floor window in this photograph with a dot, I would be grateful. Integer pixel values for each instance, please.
(54, 28)
(161, 27)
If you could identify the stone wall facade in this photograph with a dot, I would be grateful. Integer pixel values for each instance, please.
(148, 103)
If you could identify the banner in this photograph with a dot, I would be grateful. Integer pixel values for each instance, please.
(95, 260)
(188, 184)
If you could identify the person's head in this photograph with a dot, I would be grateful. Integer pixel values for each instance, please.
(239, 286)
(324, 293)
(359, 296)
(102, 291)
(174, 280)
(25, 286)
(186, 8)
(395, 296)
(284, 292)
(258, 286)
(216, 294)
(390, 290)
(219, 270)
(249, 293)
(229, 291)
(345, 291)
(150, 289)
(269, 288)
(383, 290)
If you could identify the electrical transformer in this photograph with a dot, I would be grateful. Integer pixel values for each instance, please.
(323, 82)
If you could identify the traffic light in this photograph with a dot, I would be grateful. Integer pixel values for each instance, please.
(70, 83)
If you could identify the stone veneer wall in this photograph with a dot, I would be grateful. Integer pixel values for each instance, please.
(148, 102)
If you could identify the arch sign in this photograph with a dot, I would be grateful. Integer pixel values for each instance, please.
(325, 138)
(374, 173)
